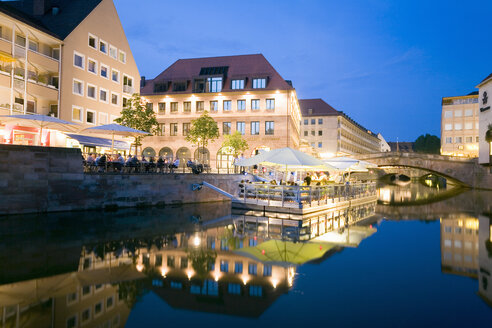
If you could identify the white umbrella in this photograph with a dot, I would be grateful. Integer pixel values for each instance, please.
(115, 129)
(41, 122)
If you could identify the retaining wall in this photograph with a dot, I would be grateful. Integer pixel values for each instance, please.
(49, 179)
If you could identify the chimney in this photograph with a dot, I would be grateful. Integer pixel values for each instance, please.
(142, 81)
(40, 7)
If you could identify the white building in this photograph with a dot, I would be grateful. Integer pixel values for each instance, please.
(385, 147)
(485, 118)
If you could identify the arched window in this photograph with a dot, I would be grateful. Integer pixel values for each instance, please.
(202, 155)
(184, 154)
(148, 152)
(225, 158)
(166, 153)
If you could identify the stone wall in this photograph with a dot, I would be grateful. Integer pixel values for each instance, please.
(48, 179)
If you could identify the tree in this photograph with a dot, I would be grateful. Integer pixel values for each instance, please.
(138, 116)
(203, 130)
(427, 143)
(236, 143)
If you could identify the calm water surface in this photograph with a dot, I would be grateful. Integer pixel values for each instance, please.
(417, 258)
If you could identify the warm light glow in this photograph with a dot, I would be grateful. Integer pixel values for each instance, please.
(245, 280)
(278, 91)
(140, 267)
(196, 241)
(167, 96)
(460, 223)
(192, 96)
(290, 276)
(274, 283)
(163, 272)
(216, 276)
(189, 273)
(471, 224)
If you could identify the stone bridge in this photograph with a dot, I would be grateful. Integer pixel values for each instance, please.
(464, 171)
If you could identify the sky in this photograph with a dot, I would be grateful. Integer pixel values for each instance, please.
(386, 64)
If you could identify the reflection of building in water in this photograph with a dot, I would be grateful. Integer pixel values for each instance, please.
(459, 246)
(485, 259)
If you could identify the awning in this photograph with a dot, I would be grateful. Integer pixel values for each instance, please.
(99, 142)
(6, 57)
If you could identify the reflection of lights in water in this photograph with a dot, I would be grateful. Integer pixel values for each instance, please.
(471, 224)
(290, 276)
(163, 272)
(140, 267)
(196, 241)
(274, 283)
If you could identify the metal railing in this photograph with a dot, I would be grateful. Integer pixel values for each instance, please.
(302, 196)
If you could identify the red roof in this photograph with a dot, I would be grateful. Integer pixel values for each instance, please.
(245, 67)
(316, 107)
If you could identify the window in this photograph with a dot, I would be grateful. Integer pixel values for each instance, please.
(468, 125)
(161, 129)
(468, 112)
(92, 66)
(33, 45)
(448, 114)
(306, 122)
(214, 84)
(305, 133)
(269, 128)
(270, 104)
(103, 47)
(103, 95)
(458, 113)
(187, 107)
(320, 133)
(448, 127)
(320, 121)
(469, 139)
(313, 133)
(92, 41)
(161, 107)
(127, 84)
(91, 91)
(114, 98)
(109, 302)
(77, 114)
(255, 128)
(227, 105)
(104, 71)
(72, 322)
(320, 145)
(179, 86)
(255, 104)
(241, 105)
(224, 266)
(313, 121)
(237, 84)
(449, 140)
(252, 269)
(78, 60)
(241, 127)
(86, 315)
(174, 129)
(226, 128)
(174, 107)
(458, 140)
(20, 40)
(476, 139)
(78, 87)
(476, 125)
(238, 267)
(122, 57)
(90, 116)
(458, 126)
(267, 270)
(103, 118)
(98, 308)
(234, 289)
(115, 76)
(214, 106)
(259, 83)
(186, 129)
(184, 262)
(200, 106)
(149, 106)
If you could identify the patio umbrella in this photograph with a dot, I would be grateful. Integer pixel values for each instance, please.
(41, 122)
(115, 129)
(349, 164)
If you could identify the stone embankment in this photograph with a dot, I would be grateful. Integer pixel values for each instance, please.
(48, 179)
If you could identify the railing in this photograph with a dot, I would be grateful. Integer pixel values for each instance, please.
(302, 196)
(128, 89)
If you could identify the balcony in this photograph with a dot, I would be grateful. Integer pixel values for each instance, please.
(19, 52)
(42, 90)
(5, 46)
(42, 61)
(128, 89)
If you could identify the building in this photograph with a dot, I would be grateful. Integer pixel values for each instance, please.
(385, 147)
(459, 125)
(242, 93)
(485, 119)
(69, 59)
(332, 132)
(401, 146)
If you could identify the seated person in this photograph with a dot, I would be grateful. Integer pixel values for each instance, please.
(175, 164)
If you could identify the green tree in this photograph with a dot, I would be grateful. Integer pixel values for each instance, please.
(138, 116)
(428, 144)
(236, 143)
(203, 130)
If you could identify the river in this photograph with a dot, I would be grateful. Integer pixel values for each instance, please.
(420, 256)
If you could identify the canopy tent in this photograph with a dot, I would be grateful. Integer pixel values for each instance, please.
(285, 253)
(288, 158)
(115, 129)
(41, 122)
(349, 164)
(99, 142)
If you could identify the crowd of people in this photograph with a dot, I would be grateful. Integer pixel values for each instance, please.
(117, 163)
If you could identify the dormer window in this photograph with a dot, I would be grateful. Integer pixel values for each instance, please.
(310, 111)
(259, 83)
(237, 84)
(179, 86)
(214, 84)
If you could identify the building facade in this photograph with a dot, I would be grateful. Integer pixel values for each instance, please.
(485, 119)
(459, 126)
(69, 59)
(332, 132)
(242, 93)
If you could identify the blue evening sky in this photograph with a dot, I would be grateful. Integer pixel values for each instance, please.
(384, 63)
